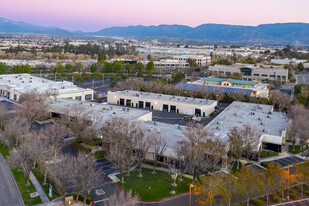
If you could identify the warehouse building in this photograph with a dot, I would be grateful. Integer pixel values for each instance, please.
(162, 102)
(269, 123)
(200, 60)
(252, 72)
(14, 85)
(103, 112)
(219, 85)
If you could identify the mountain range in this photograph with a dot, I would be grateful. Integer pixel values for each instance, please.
(280, 33)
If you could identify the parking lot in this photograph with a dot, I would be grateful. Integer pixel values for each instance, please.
(285, 162)
(304, 202)
(174, 118)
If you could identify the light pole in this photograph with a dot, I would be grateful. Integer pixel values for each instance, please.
(174, 177)
(191, 186)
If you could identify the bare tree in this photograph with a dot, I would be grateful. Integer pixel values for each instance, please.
(243, 142)
(216, 149)
(159, 146)
(62, 172)
(14, 130)
(22, 159)
(119, 133)
(181, 156)
(280, 100)
(298, 129)
(32, 105)
(194, 146)
(55, 134)
(142, 142)
(122, 199)
(86, 175)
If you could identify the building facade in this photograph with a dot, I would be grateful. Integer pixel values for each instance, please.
(251, 72)
(12, 86)
(162, 102)
(200, 60)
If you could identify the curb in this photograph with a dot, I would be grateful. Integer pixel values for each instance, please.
(20, 197)
(155, 201)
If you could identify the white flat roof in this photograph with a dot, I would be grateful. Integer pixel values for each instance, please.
(262, 117)
(258, 87)
(25, 83)
(164, 97)
(104, 111)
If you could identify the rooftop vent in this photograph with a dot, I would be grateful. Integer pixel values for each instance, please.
(265, 131)
(252, 113)
(91, 105)
(263, 123)
(269, 116)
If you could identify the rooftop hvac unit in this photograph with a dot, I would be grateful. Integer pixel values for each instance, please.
(263, 123)
(235, 114)
(269, 116)
(155, 123)
(30, 81)
(128, 109)
(219, 123)
(62, 87)
(104, 110)
(123, 109)
(114, 114)
(20, 78)
(252, 113)
(137, 95)
(260, 119)
(219, 128)
(91, 105)
(265, 131)
(22, 81)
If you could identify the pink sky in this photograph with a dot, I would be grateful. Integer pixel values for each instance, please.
(92, 15)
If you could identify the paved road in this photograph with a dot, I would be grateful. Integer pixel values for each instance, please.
(9, 193)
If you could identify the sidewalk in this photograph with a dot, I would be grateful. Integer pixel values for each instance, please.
(39, 188)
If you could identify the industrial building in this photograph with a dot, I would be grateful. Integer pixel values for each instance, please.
(200, 60)
(219, 85)
(162, 102)
(14, 85)
(252, 72)
(269, 123)
(102, 112)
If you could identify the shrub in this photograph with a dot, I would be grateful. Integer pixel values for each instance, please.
(239, 204)
(277, 199)
(265, 164)
(293, 195)
(307, 192)
(256, 202)
(99, 154)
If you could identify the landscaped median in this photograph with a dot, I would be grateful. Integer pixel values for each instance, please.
(153, 187)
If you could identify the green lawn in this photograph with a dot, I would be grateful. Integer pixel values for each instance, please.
(234, 168)
(5, 151)
(153, 187)
(297, 149)
(25, 191)
(40, 178)
(21, 181)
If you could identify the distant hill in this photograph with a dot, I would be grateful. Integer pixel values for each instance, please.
(10, 26)
(268, 33)
(281, 33)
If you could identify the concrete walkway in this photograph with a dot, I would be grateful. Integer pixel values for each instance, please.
(9, 192)
(38, 188)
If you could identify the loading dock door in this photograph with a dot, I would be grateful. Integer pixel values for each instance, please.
(148, 104)
(173, 109)
(165, 108)
(197, 112)
(128, 103)
(122, 102)
(141, 104)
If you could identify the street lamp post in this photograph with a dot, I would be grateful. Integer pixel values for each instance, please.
(191, 186)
